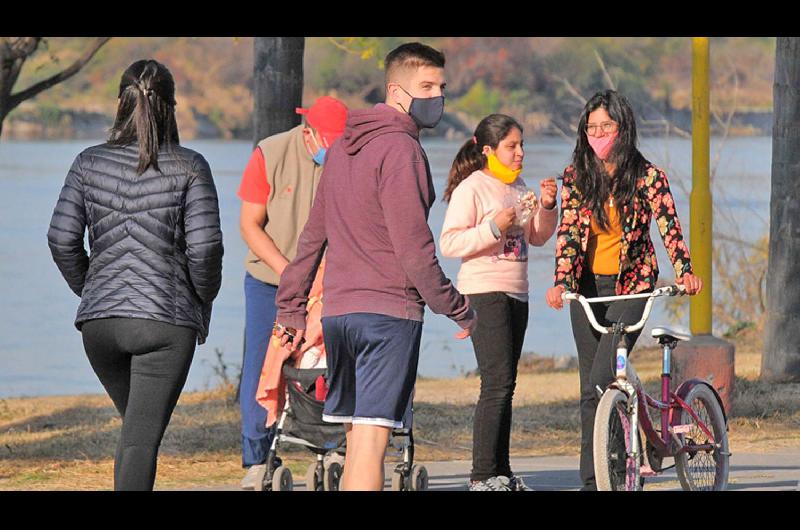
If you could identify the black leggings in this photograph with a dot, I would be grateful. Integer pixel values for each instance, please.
(143, 366)
(497, 340)
(596, 353)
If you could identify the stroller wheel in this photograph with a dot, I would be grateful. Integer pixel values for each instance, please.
(418, 480)
(313, 480)
(332, 476)
(282, 479)
(398, 481)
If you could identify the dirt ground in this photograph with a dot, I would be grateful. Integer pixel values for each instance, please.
(67, 443)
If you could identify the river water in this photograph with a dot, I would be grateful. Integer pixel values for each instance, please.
(41, 351)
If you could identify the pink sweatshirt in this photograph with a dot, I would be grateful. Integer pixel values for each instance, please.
(490, 264)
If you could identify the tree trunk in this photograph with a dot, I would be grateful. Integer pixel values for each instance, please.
(277, 84)
(781, 359)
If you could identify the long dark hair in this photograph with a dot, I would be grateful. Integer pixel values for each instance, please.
(470, 158)
(146, 111)
(592, 180)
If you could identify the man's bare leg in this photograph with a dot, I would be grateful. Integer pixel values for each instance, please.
(363, 463)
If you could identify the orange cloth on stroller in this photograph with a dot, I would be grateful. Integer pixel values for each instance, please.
(271, 392)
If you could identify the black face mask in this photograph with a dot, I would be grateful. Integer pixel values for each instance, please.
(426, 112)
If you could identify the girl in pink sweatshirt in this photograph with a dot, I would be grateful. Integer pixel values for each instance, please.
(491, 219)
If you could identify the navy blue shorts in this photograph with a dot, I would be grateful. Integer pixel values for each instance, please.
(372, 368)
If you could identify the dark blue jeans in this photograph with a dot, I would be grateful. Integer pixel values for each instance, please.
(260, 312)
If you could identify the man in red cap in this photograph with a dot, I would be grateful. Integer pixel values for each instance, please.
(277, 191)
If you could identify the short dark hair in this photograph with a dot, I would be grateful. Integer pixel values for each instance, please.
(411, 55)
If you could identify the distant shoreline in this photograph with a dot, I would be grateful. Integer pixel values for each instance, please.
(78, 125)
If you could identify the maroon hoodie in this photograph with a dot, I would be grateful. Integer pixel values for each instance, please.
(371, 212)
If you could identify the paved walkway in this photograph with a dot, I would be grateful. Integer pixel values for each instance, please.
(775, 471)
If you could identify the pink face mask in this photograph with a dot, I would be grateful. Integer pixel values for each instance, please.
(602, 146)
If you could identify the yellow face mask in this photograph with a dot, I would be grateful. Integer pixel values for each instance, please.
(501, 171)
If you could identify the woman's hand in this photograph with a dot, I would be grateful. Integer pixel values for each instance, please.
(549, 189)
(692, 283)
(505, 218)
(553, 296)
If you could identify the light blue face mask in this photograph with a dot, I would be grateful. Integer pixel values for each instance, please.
(319, 156)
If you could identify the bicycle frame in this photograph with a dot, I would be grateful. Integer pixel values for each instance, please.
(638, 400)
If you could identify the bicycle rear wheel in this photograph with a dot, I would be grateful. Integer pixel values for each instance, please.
(611, 442)
(703, 470)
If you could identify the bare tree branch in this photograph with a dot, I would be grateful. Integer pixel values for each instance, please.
(21, 47)
(607, 76)
(343, 47)
(65, 74)
(571, 89)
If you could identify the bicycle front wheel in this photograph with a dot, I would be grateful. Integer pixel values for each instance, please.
(611, 441)
(702, 469)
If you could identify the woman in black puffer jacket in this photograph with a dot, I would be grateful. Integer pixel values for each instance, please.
(155, 262)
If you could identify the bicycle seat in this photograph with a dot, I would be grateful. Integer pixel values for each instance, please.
(671, 333)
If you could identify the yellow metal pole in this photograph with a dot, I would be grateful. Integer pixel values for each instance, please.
(700, 198)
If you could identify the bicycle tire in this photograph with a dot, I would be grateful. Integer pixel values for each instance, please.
(609, 448)
(701, 471)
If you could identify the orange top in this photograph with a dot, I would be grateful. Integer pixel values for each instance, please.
(602, 251)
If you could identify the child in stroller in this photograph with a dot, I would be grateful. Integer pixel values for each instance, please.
(298, 387)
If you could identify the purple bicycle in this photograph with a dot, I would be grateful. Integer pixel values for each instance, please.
(693, 428)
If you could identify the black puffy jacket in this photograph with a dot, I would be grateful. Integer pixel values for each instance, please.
(155, 238)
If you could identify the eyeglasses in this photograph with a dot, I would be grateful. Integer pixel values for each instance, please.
(606, 127)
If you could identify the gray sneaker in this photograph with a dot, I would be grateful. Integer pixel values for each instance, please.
(253, 477)
(517, 484)
(499, 483)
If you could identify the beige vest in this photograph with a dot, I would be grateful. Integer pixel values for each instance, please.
(293, 179)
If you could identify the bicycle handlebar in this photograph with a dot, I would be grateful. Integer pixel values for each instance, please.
(670, 290)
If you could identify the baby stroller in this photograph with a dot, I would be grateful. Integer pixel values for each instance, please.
(407, 476)
(306, 389)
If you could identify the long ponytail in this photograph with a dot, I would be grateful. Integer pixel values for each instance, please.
(470, 158)
(146, 112)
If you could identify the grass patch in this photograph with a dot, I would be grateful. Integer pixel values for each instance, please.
(68, 442)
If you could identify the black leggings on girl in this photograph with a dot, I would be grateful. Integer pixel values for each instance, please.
(143, 366)
(497, 339)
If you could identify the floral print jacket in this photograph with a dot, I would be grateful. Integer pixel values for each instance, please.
(638, 269)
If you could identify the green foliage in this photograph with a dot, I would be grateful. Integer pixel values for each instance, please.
(479, 100)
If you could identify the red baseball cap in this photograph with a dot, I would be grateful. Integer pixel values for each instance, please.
(327, 116)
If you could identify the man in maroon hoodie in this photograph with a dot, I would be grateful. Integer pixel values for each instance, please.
(370, 213)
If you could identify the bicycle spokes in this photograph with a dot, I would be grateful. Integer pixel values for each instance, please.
(702, 459)
(700, 449)
(619, 428)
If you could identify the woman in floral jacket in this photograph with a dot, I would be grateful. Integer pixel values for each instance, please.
(603, 247)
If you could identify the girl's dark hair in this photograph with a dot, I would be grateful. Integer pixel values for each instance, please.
(146, 111)
(470, 158)
(592, 180)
